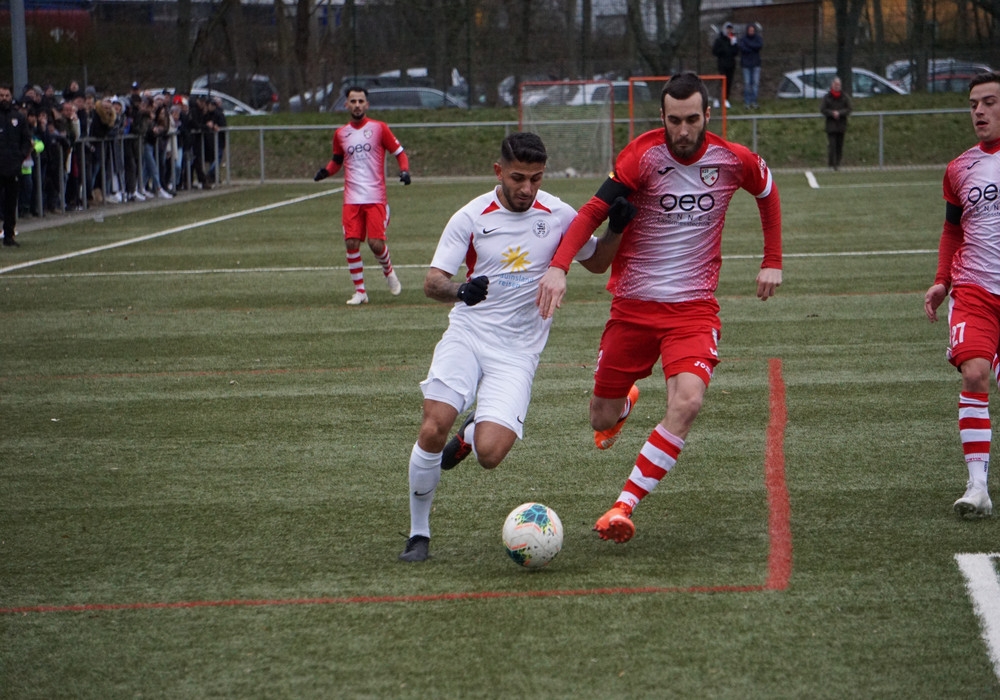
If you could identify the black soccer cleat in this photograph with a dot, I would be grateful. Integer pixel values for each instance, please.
(457, 448)
(416, 549)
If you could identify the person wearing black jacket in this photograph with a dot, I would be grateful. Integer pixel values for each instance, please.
(15, 145)
(836, 105)
(725, 49)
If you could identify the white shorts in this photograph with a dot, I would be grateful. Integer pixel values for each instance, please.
(467, 370)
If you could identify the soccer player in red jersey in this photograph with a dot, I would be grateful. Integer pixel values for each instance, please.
(360, 147)
(969, 263)
(678, 183)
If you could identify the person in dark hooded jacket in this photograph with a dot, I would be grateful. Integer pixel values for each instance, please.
(725, 49)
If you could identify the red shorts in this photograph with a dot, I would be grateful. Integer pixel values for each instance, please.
(685, 336)
(973, 324)
(364, 221)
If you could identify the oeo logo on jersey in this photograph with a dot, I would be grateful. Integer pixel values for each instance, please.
(540, 228)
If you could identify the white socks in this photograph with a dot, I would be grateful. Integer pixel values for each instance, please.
(425, 473)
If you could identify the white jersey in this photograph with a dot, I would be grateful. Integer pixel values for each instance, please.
(513, 249)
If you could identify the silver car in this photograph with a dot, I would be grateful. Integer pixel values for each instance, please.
(815, 82)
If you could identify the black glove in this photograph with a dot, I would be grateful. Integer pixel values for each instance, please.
(474, 291)
(404, 177)
(322, 174)
(620, 214)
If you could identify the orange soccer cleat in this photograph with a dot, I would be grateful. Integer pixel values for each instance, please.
(616, 524)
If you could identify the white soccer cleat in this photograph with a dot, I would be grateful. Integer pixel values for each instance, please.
(395, 287)
(357, 299)
(975, 503)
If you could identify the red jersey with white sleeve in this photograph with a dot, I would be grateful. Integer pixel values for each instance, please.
(969, 252)
(362, 148)
(672, 249)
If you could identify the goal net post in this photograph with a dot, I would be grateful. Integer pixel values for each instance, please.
(575, 120)
(644, 103)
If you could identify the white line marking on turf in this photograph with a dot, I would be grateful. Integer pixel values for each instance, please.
(341, 268)
(811, 179)
(168, 232)
(983, 584)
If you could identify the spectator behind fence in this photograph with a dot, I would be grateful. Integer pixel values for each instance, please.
(726, 49)
(31, 170)
(215, 137)
(836, 105)
(68, 125)
(750, 46)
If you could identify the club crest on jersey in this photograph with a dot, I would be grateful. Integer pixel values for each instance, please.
(368, 133)
(710, 175)
(540, 228)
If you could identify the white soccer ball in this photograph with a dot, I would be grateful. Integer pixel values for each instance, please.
(532, 535)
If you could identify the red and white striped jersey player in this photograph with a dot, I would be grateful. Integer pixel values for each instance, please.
(969, 263)
(360, 147)
(676, 184)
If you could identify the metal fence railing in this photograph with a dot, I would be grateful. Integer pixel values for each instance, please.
(71, 179)
(877, 139)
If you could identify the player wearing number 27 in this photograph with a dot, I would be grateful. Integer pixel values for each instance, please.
(969, 263)
(678, 182)
(490, 350)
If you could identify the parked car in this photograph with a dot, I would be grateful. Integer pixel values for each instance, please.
(602, 93)
(943, 74)
(317, 99)
(579, 93)
(951, 81)
(255, 90)
(324, 98)
(231, 107)
(815, 82)
(404, 98)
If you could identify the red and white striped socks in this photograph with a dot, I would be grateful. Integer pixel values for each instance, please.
(357, 270)
(656, 458)
(385, 262)
(976, 434)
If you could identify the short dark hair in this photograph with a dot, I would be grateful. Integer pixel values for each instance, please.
(523, 147)
(682, 85)
(983, 78)
(356, 88)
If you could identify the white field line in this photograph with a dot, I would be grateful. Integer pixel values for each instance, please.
(167, 232)
(296, 200)
(814, 183)
(340, 268)
(983, 584)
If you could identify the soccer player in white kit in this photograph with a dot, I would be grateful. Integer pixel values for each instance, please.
(680, 181)
(490, 350)
(969, 263)
(360, 147)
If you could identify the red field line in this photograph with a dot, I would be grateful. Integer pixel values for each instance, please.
(779, 527)
(779, 560)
